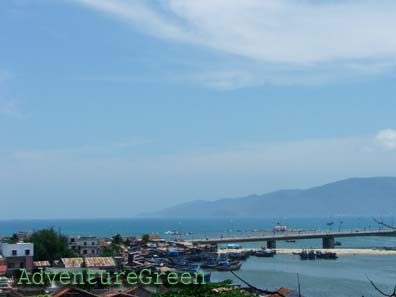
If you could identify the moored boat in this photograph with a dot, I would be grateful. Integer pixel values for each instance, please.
(228, 265)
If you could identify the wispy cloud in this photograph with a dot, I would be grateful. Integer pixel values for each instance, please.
(387, 139)
(287, 36)
(83, 151)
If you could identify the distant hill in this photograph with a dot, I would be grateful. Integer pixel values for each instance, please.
(350, 197)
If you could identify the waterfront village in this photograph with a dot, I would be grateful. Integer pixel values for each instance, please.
(55, 254)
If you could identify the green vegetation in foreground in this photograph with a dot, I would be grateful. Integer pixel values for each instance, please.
(205, 290)
(49, 245)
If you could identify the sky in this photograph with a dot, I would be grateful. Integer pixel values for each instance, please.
(110, 108)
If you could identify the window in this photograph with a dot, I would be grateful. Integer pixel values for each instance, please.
(14, 252)
(92, 251)
(21, 265)
(85, 243)
(85, 252)
(93, 243)
(11, 265)
(27, 252)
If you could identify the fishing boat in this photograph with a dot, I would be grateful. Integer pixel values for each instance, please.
(228, 265)
(210, 263)
(239, 256)
(307, 255)
(316, 255)
(264, 253)
(326, 255)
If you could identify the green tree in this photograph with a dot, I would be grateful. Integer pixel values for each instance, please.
(145, 238)
(111, 250)
(117, 239)
(13, 239)
(49, 245)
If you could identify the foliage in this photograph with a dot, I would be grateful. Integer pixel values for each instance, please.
(111, 250)
(83, 264)
(207, 290)
(49, 245)
(127, 242)
(145, 238)
(117, 239)
(13, 239)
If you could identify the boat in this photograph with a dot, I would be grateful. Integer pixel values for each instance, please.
(316, 255)
(264, 253)
(239, 256)
(228, 265)
(173, 232)
(210, 263)
(307, 255)
(326, 255)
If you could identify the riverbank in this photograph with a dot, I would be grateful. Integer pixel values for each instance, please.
(349, 252)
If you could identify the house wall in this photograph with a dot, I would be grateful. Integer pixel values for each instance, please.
(20, 249)
(17, 255)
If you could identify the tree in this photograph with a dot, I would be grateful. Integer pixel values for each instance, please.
(13, 238)
(145, 238)
(49, 245)
(111, 250)
(117, 239)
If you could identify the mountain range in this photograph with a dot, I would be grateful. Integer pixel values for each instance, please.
(371, 196)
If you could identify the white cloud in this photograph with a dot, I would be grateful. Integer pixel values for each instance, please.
(330, 37)
(387, 138)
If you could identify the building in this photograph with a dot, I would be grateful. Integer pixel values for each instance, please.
(86, 246)
(23, 235)
(17, 256)
(3, 266)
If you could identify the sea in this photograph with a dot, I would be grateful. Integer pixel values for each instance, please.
(346, 277)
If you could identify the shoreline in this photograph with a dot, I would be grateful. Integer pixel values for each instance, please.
(346, 252)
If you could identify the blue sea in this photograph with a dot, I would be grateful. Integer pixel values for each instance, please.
(345, 277)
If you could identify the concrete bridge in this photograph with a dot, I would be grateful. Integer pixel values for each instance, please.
(271, 239)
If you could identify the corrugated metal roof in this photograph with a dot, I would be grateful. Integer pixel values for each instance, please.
(41, 263)
(100, 262)
(90, 261)
(72, 262)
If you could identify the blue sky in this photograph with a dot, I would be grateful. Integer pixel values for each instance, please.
(147, 104)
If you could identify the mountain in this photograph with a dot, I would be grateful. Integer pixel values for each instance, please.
(351, 197)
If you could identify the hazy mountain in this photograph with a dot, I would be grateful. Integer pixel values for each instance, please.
(350, 197)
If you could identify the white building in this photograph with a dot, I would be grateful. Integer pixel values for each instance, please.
(17, 256)
(20, 249)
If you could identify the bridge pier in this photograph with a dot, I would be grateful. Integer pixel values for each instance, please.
(328, 242)
(271, 244)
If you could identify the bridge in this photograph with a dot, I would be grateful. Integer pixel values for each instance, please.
(271, 239)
